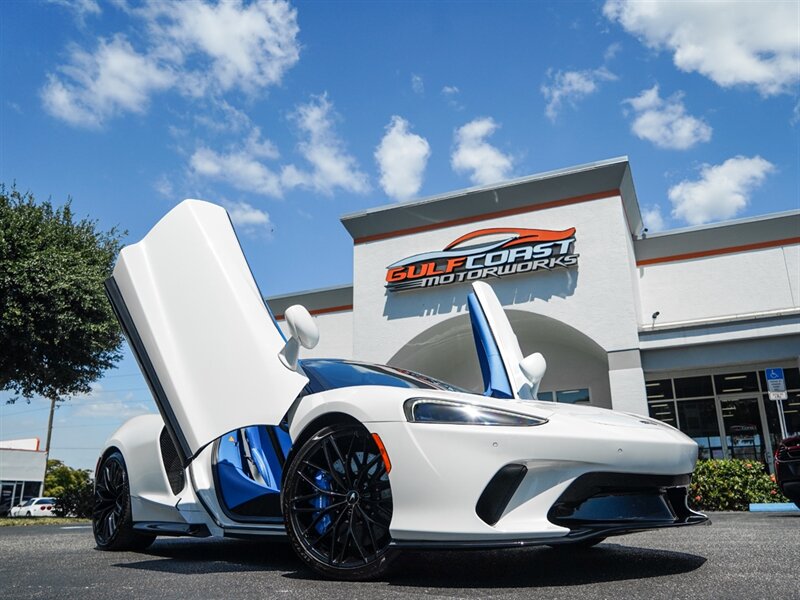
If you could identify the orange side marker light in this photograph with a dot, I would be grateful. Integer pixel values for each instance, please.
(382, 450)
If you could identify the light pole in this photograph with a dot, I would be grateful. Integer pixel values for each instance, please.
(47, 443)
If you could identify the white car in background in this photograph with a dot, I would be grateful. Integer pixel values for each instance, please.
(354, 461)
(35, 507)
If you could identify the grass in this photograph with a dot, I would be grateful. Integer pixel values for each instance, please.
(29, 521)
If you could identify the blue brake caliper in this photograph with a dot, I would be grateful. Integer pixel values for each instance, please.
(321, 501)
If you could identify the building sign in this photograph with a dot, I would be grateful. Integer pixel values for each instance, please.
(494, 252)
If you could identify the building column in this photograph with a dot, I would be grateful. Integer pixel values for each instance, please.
(626, 382)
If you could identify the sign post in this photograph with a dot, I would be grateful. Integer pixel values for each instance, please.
(776, 387)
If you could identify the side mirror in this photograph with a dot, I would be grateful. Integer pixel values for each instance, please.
(303, 331)
(533, 367)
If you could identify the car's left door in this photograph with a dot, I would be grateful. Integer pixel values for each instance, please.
(200, 330)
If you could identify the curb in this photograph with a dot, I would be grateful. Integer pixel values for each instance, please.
(774, 507)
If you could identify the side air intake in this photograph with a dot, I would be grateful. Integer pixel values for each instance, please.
(498, 493)
(172, 463)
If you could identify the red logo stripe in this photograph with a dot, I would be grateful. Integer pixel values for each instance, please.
(525, 236)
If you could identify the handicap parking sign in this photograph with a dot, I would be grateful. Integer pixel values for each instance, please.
(776, 384)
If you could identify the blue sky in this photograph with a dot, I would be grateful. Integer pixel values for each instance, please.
(294, 114)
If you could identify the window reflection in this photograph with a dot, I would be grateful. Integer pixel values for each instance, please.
(660, 389)
(699, 421)
(736, 383)
(664, 411)
(573, 396)
(743, 428)
(692, 387)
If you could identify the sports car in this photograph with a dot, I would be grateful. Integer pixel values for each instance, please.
(353, 461)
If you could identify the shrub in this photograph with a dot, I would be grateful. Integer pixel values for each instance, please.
(732, 485)
(76, 501)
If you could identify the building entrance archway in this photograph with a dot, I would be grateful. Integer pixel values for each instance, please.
(574, 361)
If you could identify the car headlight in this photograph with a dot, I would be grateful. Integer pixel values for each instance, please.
(429, 410)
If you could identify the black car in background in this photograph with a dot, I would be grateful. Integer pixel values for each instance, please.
(787, 468)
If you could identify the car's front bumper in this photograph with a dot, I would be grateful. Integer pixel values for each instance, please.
(441, 472)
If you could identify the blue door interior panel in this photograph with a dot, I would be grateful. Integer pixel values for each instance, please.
(238, 488)
(495, 378)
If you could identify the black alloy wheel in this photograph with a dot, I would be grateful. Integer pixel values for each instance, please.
(337, 504)
(112, 522)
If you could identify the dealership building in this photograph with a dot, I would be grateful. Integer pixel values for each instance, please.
(21, 472)
(685, 325)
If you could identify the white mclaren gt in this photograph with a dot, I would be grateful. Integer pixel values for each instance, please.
(353, 461)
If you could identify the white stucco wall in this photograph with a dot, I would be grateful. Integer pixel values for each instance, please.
(335, 336)
(21, 465)
(724, 285)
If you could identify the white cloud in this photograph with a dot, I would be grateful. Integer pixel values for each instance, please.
(95, 87)
(332, 166)
(730, 42)
(653, 219)
(100, 403)
(163, 186)
(401, 157)
(200, 48)
(245, 46)
(450, 94)
(795, 118)
(244, 167)
(722, 191)
(665, 122)
(248, 218)
(571, 86)
(222, 117)
(612, 51)
(417, 84)
(237, 167)
(474, 155)
(81, 8)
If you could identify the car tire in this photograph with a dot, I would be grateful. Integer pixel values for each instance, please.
(337, 504)
(28, 514)
(112, 521)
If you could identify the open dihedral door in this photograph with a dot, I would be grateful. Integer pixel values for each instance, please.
(499, 353)
(200, 329)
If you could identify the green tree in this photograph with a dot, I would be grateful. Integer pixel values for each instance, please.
(72, 489)
(58, 333)
(60, 478)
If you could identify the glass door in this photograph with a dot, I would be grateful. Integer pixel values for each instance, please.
(6, 498)
(744, 434)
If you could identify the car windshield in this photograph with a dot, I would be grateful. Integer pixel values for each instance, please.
(331, 374)
(46, 501)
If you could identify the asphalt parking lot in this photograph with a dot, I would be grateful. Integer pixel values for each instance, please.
(739, 556)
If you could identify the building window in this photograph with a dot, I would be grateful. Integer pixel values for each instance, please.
(698, 419)
(660, 389)
(743, 433)
(723, 412)
(566, 396)
(791, 412)
(573, 396)
(664, 411)
(693, 387)
(736, 383)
